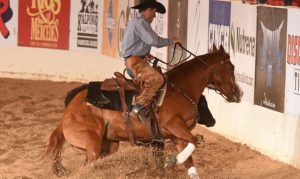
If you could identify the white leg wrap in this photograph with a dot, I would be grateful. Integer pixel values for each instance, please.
(187, 151)
(193, 173)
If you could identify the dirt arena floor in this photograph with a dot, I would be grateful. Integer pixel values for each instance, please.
(30, 110)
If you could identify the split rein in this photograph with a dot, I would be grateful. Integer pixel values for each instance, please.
(181, 60)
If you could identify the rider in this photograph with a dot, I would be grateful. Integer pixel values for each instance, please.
(138, 39)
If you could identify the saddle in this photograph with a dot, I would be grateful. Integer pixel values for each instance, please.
(117, 94)
(107, 94)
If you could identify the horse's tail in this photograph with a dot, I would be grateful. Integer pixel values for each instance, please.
(55, 145)
(71, 94)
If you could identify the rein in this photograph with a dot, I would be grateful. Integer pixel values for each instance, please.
(218, 92)
(156, 60)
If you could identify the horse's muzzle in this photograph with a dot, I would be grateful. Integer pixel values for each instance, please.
(236, 95)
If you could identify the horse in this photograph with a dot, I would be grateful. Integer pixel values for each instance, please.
(91, 129)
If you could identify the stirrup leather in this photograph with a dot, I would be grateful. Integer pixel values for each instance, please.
(161, 95)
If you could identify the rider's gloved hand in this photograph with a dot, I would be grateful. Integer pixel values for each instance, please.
(175, 39)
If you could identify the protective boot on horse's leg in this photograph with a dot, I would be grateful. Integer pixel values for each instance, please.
(184, 157)
(192, 171)
(185, 139)
(149, 79)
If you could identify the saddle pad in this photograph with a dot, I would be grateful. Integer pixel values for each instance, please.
(107, 99)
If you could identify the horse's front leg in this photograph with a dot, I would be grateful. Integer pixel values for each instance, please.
(178, 128)
(185, 143)
(189, 164)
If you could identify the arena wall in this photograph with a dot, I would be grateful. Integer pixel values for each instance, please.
(56, 65)
(272, 133)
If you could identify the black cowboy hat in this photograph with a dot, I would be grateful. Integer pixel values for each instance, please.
(160, 8)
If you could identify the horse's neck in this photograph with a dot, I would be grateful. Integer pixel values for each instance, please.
(191, 78)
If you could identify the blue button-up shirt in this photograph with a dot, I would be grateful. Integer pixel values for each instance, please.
(139, 37)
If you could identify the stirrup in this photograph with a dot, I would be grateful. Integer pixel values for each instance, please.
(161, 95)
(138, 110)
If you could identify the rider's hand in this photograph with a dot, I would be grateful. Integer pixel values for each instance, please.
(148, 57)
(175, 39)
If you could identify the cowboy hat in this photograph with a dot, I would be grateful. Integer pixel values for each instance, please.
(160, 8)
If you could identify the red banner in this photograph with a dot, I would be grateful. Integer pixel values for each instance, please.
(3, 8)
(44, 23)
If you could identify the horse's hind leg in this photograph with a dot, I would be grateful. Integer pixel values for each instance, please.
(86, 135)
(93, 146)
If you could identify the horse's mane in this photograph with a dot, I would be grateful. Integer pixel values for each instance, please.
(198, 61)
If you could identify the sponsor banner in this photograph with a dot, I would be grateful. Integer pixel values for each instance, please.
(243, 47)
(8, 22)
(160, 26)
(109, 28)
(271, 55)
(125, 14)
(85, 24)
(292, 82)
(194, 26)
(219, 24)
(196, 36)
(44, 23)
(177, 21)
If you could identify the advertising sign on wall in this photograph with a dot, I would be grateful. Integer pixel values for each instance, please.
(85, 24)
(160, 26)
(271, 55)
(109, 28)
(194, 28)
(197, 36)
(44, 23)
(243, 47)
(8, 22)
(125, 14)
(219, 24)
(177, 21)
(292, 81)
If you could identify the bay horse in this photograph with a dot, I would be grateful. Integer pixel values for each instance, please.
(87, 127)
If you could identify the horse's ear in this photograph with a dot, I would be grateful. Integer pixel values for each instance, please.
(214, 48)
(222, 49)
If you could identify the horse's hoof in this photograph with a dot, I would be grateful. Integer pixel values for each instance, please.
(170, 161)
(200, 139)
(60, 171)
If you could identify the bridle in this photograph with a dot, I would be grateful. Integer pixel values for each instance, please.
(222, 62)
(178, 90)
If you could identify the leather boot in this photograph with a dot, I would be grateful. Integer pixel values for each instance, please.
(206, 118)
